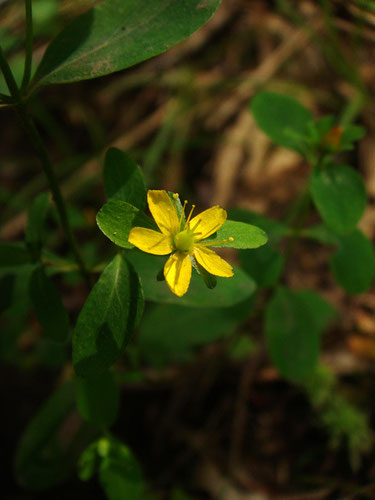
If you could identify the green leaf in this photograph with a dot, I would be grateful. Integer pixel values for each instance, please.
(13, 255)
(117, 34)
(209, 279)
(339, 195)
(40, 460)
(119, 473)
(116, 218)
(351, 134)
(242, 348)
(123, 179)
(169, 332)
(48, 306)
(274, 229)
(34, 233)
(87, 462)
(282, 118)
(293, 332)
(264, 265)
(322, 312)
(108, 319)
(321, 233)
(7, 282)
(353, 264)
(229, 291)
(98, 399)
(244, 235)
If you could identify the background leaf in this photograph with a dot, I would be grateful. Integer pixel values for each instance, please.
(123, 179)
(40, 461)
(98, 399)
(48, 306)
(119, 473)
(339, 195)
(293, 332)
(13, 254)
(282, 118)
(117, 34)
(264, 264)
(170, 332)
(229, 291)
(273, 229)
(116, 218)
(353, 264)
(108, 319)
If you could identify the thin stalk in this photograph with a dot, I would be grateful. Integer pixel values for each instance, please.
(37, 142)
(28, 45)
(9, 78)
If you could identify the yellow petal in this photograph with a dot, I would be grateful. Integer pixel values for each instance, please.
(177, 273)
(150, 241)
(208, 222)
(212, 262)
(163, 211)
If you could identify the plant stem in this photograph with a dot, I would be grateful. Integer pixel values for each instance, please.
(297, 220)
(28, 45)
(37, 142)
(9, 78)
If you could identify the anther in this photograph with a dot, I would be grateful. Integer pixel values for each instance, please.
(189, 216)
(175, 196)
(230, 238)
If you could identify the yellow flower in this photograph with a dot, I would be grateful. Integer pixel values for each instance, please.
(181, 239)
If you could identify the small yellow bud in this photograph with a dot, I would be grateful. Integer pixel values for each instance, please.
(230, 238)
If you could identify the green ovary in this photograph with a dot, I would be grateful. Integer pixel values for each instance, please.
(184, 241)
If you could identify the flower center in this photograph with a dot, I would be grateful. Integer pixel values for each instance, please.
(184, 241)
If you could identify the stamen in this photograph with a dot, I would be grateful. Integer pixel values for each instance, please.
(210, 243)
(175, 197)
(189, 216)
(182, 213)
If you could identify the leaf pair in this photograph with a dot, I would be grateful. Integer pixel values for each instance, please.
(338, 191)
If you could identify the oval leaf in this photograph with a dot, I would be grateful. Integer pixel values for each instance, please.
(117, 34)
(48, 306)
(98, 399)
(229, 291)
(339, 195)
(353, 264)
(123, 179)
(116, 218)
(282, 118)
(108, 319)
(292, 335)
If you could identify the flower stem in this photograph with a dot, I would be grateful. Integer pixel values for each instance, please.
(28, 45)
